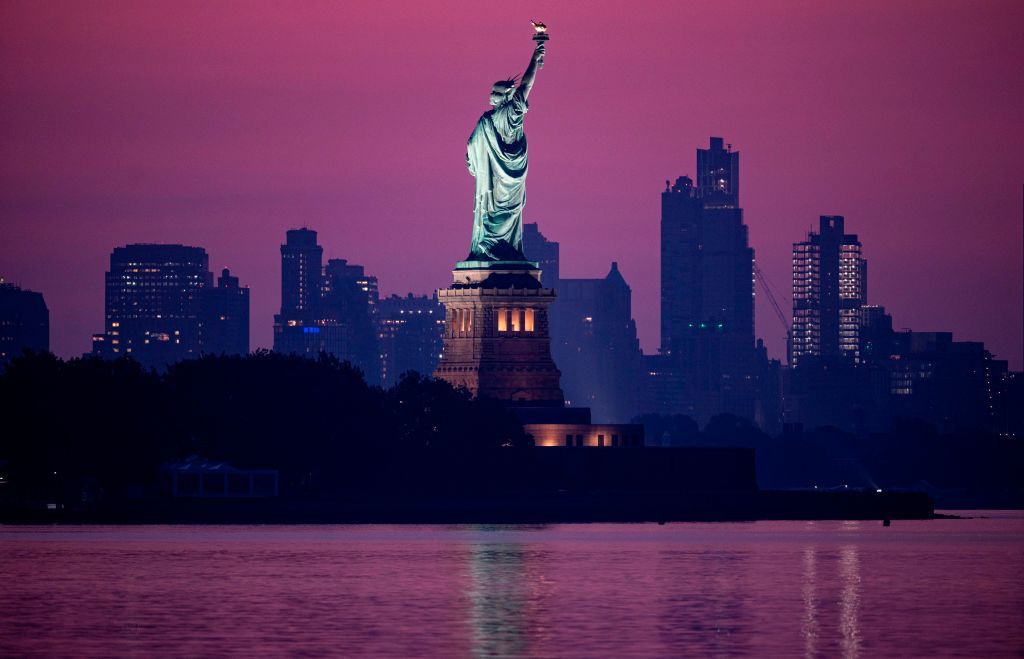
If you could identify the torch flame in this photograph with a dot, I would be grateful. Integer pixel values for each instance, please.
(539, 27)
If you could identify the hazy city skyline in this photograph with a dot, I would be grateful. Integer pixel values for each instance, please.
(222, 129)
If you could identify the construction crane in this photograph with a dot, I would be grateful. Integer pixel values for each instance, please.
(768, 291)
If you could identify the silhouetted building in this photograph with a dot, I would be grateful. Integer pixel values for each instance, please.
(661, 387)
(296, 328)
(224, 317)
(833, 392)
(829, 289)
(1009, 408)
(707, 289)
(153, 303)
(594, 344)
(953, 384)
(350, 300)
(330, 310)
(545, 252)
(768, 410)
(877, 339)
(301, 271)
(24, 322)
(411, 336)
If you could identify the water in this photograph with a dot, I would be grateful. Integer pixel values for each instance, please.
(941, 587)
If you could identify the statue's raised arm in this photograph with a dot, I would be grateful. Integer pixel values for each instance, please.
(530, 75)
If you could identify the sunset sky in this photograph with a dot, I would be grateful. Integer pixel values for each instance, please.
(223, 124)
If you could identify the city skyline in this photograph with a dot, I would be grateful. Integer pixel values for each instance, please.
(929, 178)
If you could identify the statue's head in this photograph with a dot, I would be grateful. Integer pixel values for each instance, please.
(502, 91)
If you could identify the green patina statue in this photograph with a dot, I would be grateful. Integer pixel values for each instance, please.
(496, 155)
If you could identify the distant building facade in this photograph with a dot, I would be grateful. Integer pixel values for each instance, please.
(829, 290)
(350, 300)
(411, 336)
(594, 343)
(224, 317)
(153, 303)
(24, 322)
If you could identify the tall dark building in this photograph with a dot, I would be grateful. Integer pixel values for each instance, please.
(153, 303)
(411, 336)
(829, 290)
(351, 300)
(301, 271)
(595, 346)
(296, 330)
(707, 289)
(545, 252)
(24, 322)
(224, 317)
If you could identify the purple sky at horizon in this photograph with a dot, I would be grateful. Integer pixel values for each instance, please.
(224, 124)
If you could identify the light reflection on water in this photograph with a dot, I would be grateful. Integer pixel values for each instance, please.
(769, 588)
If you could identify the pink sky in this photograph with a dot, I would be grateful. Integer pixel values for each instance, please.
(224, 124)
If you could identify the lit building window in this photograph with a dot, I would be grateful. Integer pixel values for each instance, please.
(528, 321)
(502, 320)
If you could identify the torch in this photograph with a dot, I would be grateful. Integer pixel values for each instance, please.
(540, 35)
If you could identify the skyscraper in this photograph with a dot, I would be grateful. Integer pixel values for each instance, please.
(224, 317)
(707, 288)
(301, 270)
(295, 329)
(829, 290)
(24, 322)
(153, 303)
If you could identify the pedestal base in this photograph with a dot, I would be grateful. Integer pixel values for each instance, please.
(496, 340)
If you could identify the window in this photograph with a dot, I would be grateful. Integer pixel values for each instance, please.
(579, 440)
(517, 320)
(502, 320)
(528, 321)
(462, 321)
(600, 440)
(615, 440)
(568, 440)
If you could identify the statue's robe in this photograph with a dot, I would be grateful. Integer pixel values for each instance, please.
(496, 155)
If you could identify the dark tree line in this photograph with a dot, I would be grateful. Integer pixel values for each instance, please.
(109, 425)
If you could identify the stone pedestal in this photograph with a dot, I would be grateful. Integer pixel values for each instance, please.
(496, 341)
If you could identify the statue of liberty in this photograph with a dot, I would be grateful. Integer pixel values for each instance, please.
(496, 155)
